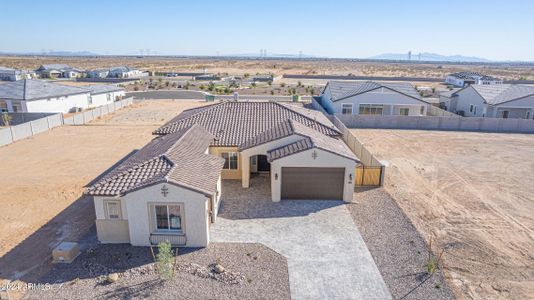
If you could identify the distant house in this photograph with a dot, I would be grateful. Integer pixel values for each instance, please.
(41, 96)
(463, 79)
(105, 94)
(9, 74)
(125, 72)
(372, 98)
(99, 73)
(58, 71)
(494, 101)
(446, 100)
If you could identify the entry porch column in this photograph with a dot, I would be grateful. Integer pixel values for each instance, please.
(245, 170)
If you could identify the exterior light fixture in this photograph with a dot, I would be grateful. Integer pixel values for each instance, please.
(275, 176)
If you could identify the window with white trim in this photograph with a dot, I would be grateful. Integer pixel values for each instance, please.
(113, 209)
(371, 109)
(230, 160)
(346, 108)
(168, 217)
(404, 111)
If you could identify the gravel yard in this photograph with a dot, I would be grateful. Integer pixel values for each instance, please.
(398, 250)
(252, 271)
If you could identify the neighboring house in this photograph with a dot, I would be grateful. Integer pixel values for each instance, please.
(169, 190)
(42, 96)
(446, 100)
(10, 74)
(125, 72)
(372, 98)
(58, 71)
(99, 73)
(462, 79)
(494, 101)
(105, 94)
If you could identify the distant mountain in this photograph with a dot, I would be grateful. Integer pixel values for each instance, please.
(429, 57)
(54, 53)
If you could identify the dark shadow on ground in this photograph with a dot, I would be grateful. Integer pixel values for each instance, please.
(31, 258)
(255, 202)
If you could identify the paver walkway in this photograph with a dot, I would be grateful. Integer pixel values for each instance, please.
(327, 258)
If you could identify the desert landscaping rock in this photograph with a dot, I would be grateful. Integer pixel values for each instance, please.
(397, 248)
(113, 277)
(265, 277)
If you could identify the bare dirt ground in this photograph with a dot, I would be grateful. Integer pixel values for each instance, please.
(262, 66)
(43, 178)
(473, 194)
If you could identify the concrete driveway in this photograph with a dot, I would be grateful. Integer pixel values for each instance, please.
(327, 258)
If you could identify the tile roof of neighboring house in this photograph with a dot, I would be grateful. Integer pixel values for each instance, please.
(472, 75)
(499, 93)
(55, 67)
(177, 158)
(234, 122)
(103, 88)
(29, 89)
(344, 89)
(448, 93)
(121, 69)
(310, 139)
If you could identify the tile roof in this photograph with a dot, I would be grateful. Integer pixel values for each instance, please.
(55, 67)
(29, 89)
(235, 122)
(495, 94)
(177, 158)
(311, 138)
(472, 75)
(343, 89)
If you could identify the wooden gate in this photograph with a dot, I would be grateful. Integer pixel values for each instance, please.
(368, 176)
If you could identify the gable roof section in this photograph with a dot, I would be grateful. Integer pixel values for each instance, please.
(178, 158)
(234, 122)
(343, 89)
(311, 138)
(496, 94)
(29, 89)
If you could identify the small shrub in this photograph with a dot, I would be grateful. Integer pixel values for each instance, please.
(165, 261)
(437, 286)
(6, 118)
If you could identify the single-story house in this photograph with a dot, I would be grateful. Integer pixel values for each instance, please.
(105, 94)
(494, 101)
(58, 71)
(207, 77)
(169, 190)
(262, 78)
(372, 98)
(99, 73)
(125, 72)
(462, 79)
(42, 96)
(9, 74)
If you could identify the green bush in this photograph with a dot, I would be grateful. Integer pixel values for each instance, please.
(165, 261)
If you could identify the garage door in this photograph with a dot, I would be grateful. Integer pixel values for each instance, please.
(313, 183)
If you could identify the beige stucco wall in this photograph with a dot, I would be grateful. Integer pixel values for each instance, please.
(195, 221)
(304, 159)
(228, 174)
(112, 231)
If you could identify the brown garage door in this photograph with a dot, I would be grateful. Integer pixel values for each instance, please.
(313, 183)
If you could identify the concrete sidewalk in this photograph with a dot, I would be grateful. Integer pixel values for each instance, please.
(327, 257)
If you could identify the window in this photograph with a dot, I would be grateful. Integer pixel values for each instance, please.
(17, 106)
(168, 217)
(108, 97)
(113, 210)
(527, 115)
(89, 100)
(371, 109)
(404, 111)
(422, 110)
(346, 109)
(505, 114)
(230, 160)
(3, 106)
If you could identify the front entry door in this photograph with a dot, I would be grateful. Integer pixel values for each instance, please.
(263, 164)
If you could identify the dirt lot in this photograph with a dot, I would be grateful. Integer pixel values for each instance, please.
(42, 180)
(275, 66)
(473, 194)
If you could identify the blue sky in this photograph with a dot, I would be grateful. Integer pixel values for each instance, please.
(498, 30)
